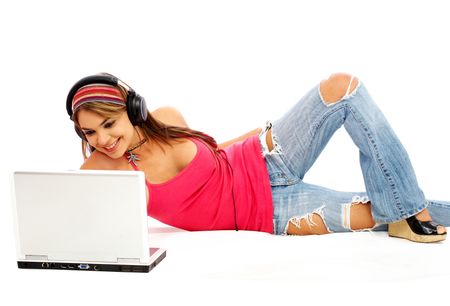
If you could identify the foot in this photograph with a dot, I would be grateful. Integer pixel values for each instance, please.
(424, 215)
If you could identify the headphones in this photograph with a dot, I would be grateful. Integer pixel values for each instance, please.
(136, 107)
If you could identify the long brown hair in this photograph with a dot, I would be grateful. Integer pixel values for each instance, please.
(152, 128)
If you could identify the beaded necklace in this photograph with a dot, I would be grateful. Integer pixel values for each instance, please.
(133, 158)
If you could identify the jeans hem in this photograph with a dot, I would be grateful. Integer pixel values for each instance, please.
(407, 215)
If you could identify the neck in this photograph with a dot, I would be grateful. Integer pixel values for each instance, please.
(137, 146)
(133, 153)
(150, 148)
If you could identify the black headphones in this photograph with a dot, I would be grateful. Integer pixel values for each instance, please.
(136, 107)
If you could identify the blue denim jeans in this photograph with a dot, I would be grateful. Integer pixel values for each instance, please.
(300, 136)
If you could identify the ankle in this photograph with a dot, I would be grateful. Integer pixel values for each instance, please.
(423, 215)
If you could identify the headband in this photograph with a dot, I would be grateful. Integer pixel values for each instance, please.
(97, 93)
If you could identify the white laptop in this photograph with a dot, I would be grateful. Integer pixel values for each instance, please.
(82, 220)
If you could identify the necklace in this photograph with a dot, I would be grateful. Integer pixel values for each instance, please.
(133, 158)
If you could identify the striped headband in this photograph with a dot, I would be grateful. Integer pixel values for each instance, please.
(97, 93)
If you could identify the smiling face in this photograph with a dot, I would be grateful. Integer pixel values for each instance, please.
(110, 135)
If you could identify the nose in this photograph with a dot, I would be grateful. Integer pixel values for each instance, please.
(102, 139)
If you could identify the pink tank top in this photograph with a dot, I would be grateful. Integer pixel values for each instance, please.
(200, 196)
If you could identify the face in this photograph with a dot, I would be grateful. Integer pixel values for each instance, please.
(111, 136)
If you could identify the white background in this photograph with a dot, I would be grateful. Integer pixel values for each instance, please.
(228, 66)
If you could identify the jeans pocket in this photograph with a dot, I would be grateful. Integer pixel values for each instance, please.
(279, 173)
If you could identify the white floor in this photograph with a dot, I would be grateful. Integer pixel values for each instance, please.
(250, 268)
(346, 268)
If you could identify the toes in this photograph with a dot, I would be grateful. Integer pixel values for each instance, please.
(441, 229)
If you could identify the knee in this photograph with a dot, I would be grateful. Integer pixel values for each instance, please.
(360, 216)
(310, 224)
(335, 87)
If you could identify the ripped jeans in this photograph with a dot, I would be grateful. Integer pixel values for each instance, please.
(300, 136)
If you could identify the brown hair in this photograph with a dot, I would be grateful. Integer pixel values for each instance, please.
(152, 128)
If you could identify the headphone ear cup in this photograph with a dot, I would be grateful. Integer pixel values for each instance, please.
(80, 133)
(136, 109)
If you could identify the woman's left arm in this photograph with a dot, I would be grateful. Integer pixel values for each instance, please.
(240, 138)
(171, 116)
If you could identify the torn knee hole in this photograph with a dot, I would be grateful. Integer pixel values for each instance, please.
(359, 216)
(311, 224)
(337, 86)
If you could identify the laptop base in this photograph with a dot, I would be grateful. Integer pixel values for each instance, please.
(48, 265)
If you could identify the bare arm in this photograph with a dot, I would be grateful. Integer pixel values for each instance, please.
(171, 116)
(98, 161)
(240, 138)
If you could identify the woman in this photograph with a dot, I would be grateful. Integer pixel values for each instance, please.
(255, 182)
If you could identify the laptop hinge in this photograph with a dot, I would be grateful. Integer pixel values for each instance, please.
(128, 260)
(36, 257)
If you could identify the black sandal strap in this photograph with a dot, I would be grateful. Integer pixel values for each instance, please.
(422, 227)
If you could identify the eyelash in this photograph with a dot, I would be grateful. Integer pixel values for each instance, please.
(107, 125)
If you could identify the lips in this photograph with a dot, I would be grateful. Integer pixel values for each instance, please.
(112, 147)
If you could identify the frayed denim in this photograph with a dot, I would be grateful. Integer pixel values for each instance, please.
(300, 136)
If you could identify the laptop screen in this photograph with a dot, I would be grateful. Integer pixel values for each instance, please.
(84, 215)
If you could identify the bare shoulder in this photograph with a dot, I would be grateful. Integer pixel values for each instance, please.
(99, 161)
(169, 115)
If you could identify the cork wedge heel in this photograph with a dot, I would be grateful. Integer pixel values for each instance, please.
(415, 230)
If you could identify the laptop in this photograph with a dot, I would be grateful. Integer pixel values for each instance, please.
(88, 220)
